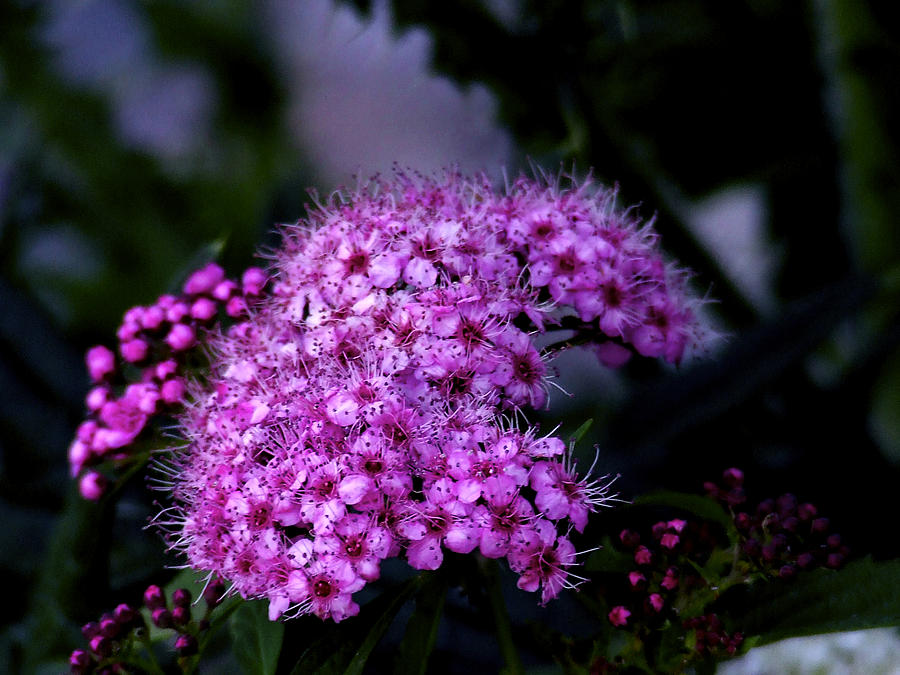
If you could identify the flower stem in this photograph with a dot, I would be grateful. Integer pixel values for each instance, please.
(502, 625)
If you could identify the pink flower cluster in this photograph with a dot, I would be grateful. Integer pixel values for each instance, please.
(146, 377)
(370, 406)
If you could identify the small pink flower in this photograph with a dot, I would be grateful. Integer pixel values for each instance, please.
(180, 337)
(204, 280)
(656, 602)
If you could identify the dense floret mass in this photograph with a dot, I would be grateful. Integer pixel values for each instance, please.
(371, 405)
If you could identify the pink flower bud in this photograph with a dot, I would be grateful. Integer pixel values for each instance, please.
(203, 309)
(669, 540)
(186, 645)
(172, 391)
(100, 362)
(165, 369)
(154, 598)
(253, 281)
(204, 280)
(92, 485)
(177, 312)
(224, 290)
(96, 398)
(656, 602)
(180, 337)
(635, 578)
(619, 616)
(236, 307)
(153, 318)
(643, 556)
(134, 350)
(79, 452)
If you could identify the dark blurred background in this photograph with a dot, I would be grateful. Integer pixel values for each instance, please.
(139, 138)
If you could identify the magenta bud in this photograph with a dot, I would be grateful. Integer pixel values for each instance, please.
(204, 280)
(153, 317)
(181, 597)
(224, 290)
(787, 572)
(733, 477)
(833, 541)
(101, 646)
(820, 525)
(154, 597)
(806, 511)
(186, 645)
(629, 538)
(172, 391)
(123, 614)
(769, 552)
(100, 362)
(92, 485)
(177, 312)
(203, 309)
(213, 593)
(181, 615)
(806, 560)
(253, 281)
(134, 350)
(162, 618)
(656, 602)
(90, 629)
(180, 337)
(765, 507)
(790, 524)
(752, 548)
(743, 521)
(236, 307)
(834, 560)
(109, 627)
(80, 661)
(712, 489)
(786, 504)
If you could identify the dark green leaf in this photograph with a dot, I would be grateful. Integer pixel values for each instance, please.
(421, 630)
(702, 507)
(865, 594)
(345, 649)
(582, 430)
(256, 641)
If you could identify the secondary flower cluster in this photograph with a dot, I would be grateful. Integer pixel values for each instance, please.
(146, 378)
(116, 640)
(780, 535)
(680, 567)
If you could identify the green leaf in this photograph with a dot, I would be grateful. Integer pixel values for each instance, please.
(256, 641)
(865, 594)
(345, 649)
(697, 505)
(581, 431)
(421, 630)
(608, 559)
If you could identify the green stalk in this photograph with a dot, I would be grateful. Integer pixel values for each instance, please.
(502, 625)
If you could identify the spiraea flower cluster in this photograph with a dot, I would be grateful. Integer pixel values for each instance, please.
(371, 406)
(364, 398)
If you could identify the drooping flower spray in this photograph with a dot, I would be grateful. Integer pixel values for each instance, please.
(368, 399)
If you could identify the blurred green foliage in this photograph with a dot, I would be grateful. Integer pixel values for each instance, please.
(672, 99)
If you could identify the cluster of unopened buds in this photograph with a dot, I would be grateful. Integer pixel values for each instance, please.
(370, 404)
(146, 377)
(780, 535)
(116, 640)
(673, 571)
